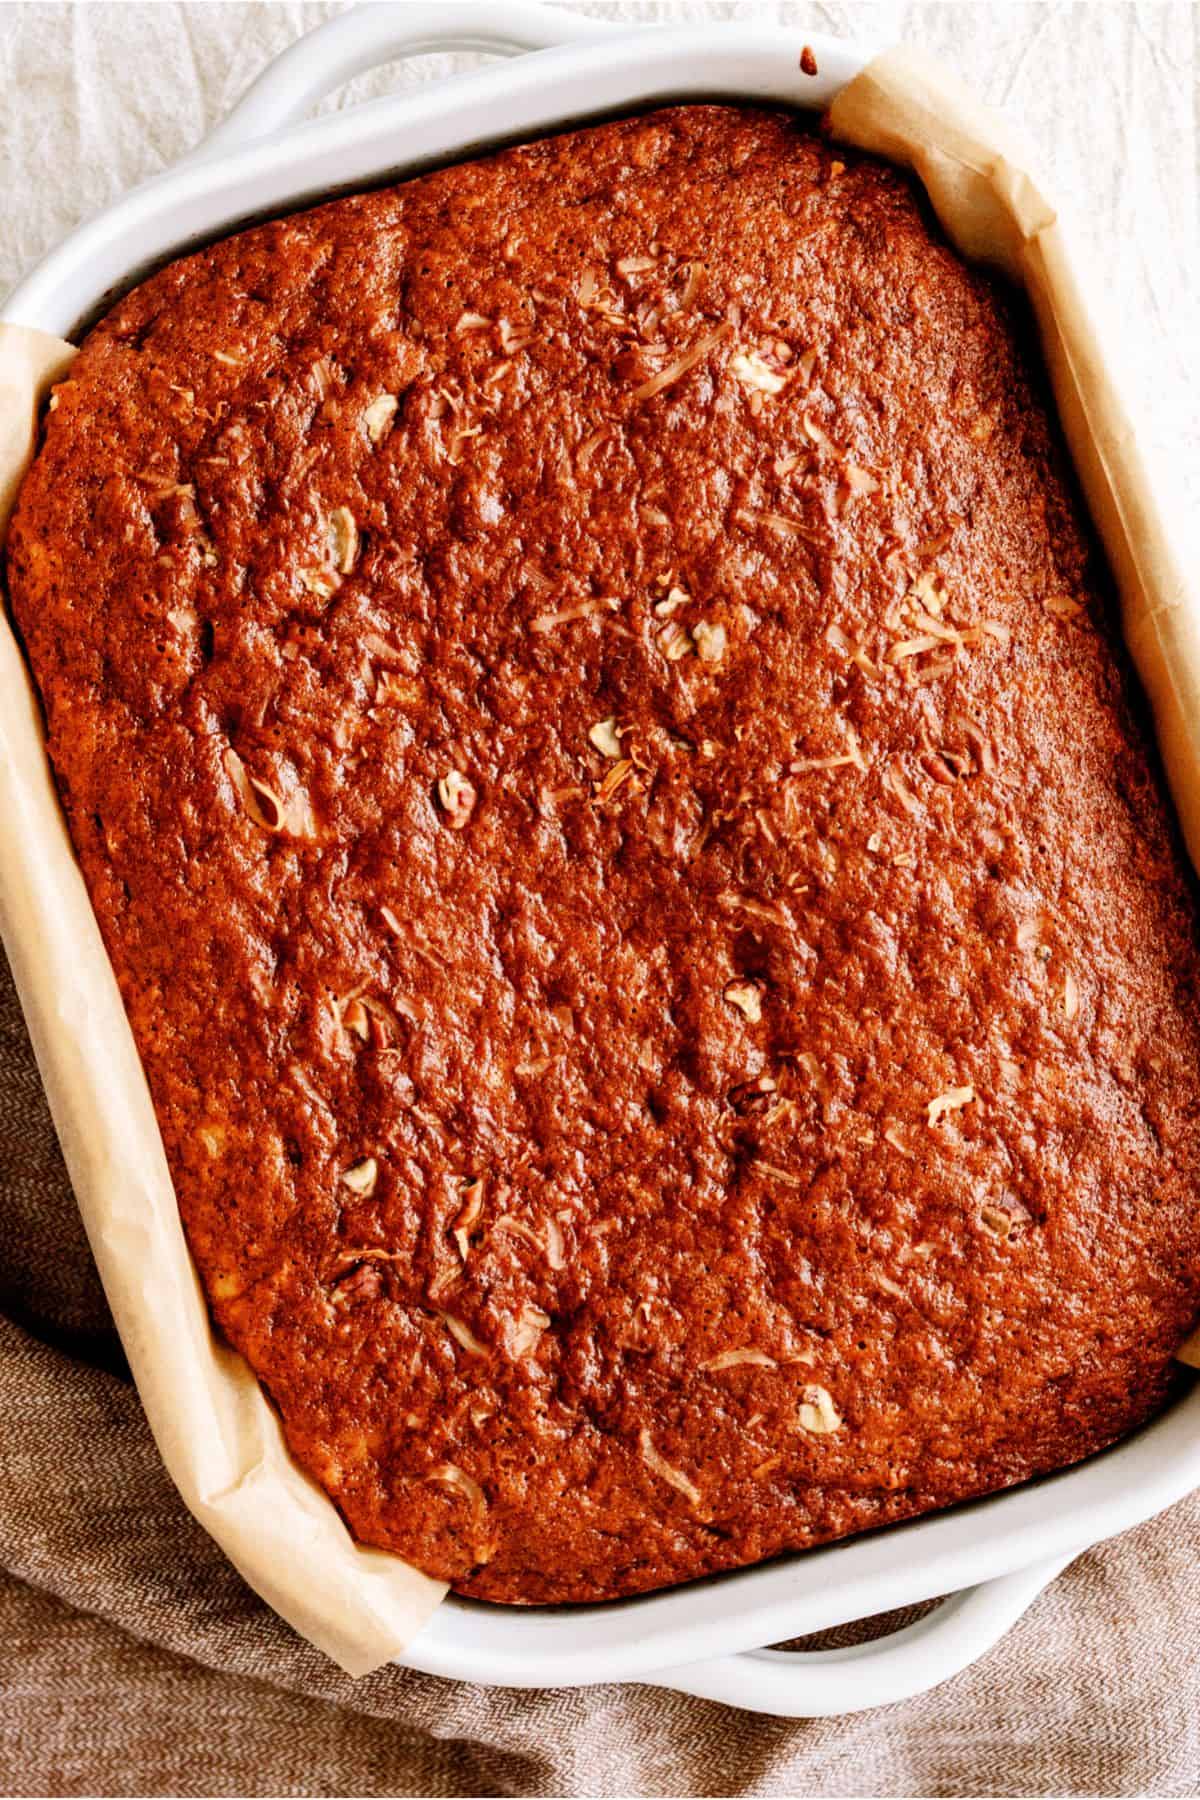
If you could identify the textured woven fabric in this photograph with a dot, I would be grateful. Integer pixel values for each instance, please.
(132, 1658)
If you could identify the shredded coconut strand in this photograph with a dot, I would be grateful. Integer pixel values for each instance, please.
(676, 1479)
(463, 1334)
(452, 1476)
(754, 373)
(362, 1177)
(585, 610)
(681, 364)
(950, 1101)
(732, 1359)
(818, 1413)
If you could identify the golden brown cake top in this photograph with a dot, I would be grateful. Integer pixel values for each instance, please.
(593, 727)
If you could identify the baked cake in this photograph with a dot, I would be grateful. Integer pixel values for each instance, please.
(592, 718)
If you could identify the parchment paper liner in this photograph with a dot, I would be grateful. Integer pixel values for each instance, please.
(219, 1439)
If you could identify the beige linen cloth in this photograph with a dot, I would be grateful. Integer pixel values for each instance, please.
(132, 1658)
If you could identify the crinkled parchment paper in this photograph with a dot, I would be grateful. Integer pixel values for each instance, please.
(218, 1436)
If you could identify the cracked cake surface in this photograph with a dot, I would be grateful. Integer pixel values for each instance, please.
(594, 726)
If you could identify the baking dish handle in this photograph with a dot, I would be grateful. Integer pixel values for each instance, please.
(366, 36)
(819, 1684)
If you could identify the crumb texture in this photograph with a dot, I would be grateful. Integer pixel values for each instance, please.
(594, 729)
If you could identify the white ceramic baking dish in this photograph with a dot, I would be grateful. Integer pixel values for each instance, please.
(993, 1556)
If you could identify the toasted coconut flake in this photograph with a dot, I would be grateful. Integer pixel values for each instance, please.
(805, 764)
(603, 737)
(674, 642)
(362, 1177)
(928, 589)
(462, 1334)
(946, 634)
(674, 1477)
(517, 1228)
(676, 597)
(837, 637)
(1061, 606)
(586, 609)
(452, 1476)
(299, 819)
(818, 1413)
(733, 1359)
(996, 1219)
(391, 921)
(1070, 995)
(815, 432)
(748, 367)
(583, 455)
(457, 796)
(378, 416)
(784, 1175)
(616, 777)
(472, 1195)
(859, 480)
(950, 1101)
(710, 641)
(512, 338)
(555, 1248)
(353, 1017)
(916, 646)
(894, 780)
(468, 1218)
(392, 689)
(636, 265)
(984, 748)
(747, 997)
(292, 816)
(766, 910)
(775, 521)
(526, 1334)
(681, 364)
(853, 756)
(343, 539)
(321, 582)
(458, 439)
(472, 321)
(691, 286)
